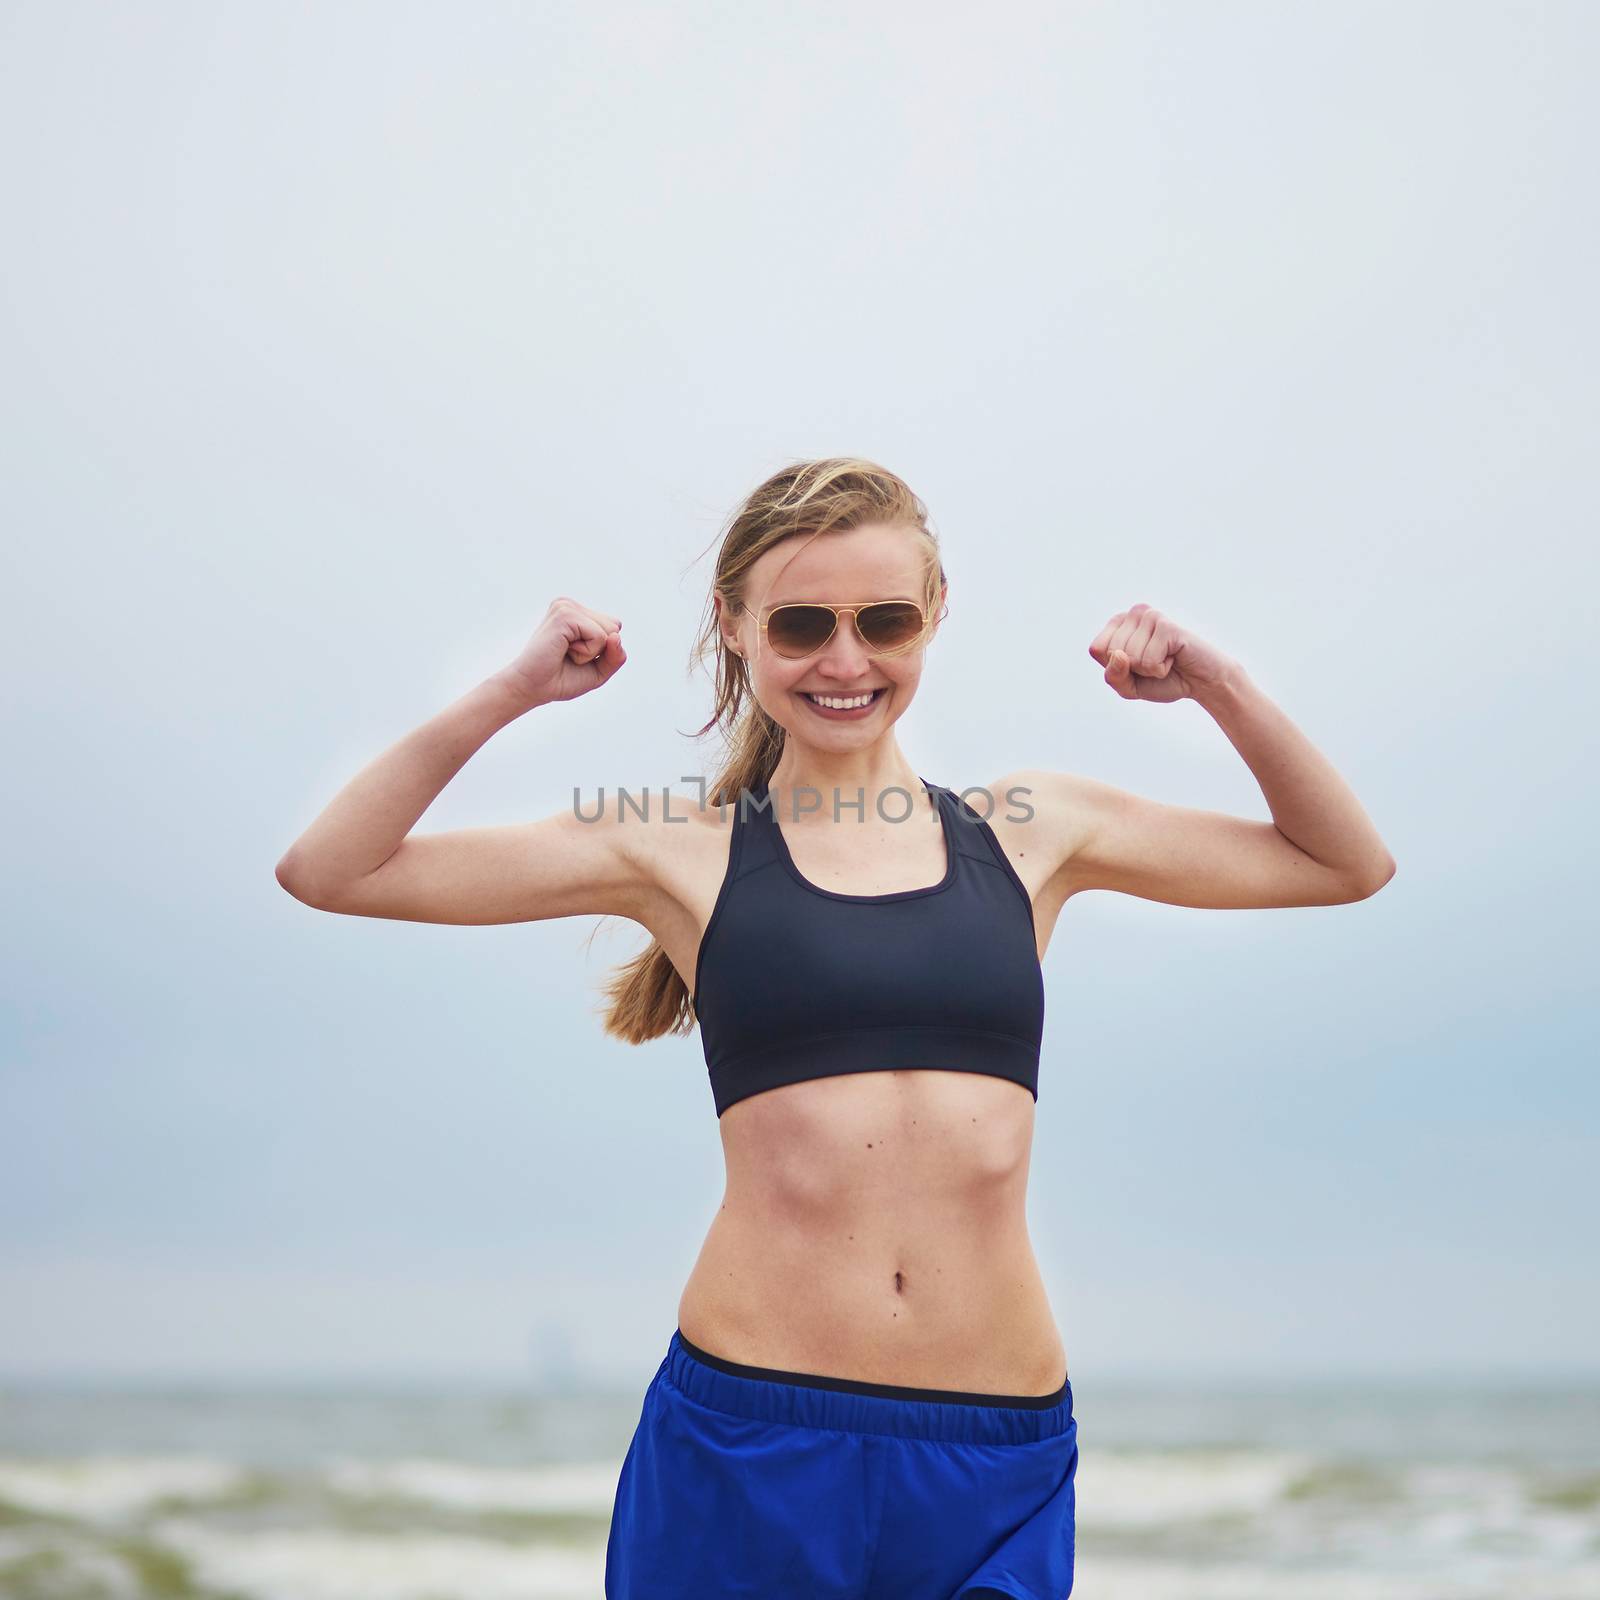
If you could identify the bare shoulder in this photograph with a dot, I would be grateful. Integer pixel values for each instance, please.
(1031, 815)
(677, 839)
(1036, 818)
(682, 846)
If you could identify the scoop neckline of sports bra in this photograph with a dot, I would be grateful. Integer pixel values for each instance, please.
(769, 815)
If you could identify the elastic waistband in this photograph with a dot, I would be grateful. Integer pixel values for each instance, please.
(811, 1400)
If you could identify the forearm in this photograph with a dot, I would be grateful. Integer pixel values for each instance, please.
(366, 822)
(1311, 804)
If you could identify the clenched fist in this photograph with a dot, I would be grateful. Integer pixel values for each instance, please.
(1147, 656)
(575, 649)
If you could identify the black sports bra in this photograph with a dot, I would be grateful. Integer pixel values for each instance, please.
(794, 982)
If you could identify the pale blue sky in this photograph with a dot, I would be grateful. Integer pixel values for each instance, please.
(339, 340)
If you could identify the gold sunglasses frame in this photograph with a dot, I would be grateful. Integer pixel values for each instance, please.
(850, 611)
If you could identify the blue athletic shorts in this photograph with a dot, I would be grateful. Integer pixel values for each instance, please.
(747, 1481)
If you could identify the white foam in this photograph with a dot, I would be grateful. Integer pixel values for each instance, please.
(315, 1565)
(1492, 1512)
(578, 1488)
(106, 1486)
(1148, 1580)
(73, 1569)
(1130, 1489)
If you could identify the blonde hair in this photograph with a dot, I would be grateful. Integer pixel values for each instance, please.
(645, 998)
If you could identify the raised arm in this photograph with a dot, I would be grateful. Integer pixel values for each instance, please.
(1109, 838)
(360, 858)
(1320, 848)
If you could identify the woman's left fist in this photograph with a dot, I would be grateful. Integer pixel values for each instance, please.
(1147, 656)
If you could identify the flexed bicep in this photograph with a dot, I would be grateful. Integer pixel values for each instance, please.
(559, 866)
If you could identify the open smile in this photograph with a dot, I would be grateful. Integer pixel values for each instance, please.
(844, 707)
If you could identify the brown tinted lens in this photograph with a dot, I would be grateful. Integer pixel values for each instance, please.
(798, 630)
(890, 625)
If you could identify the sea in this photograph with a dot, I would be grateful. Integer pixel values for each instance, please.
(1192, 1490)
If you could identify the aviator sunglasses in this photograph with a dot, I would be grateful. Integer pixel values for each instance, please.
(802, 628)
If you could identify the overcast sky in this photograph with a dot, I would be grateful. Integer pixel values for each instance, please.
(338, 340)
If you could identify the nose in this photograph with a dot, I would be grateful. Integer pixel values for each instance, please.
(846, 653)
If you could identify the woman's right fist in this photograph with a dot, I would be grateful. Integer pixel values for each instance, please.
(574, 649)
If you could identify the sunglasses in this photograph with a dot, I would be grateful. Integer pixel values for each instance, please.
(885, 626)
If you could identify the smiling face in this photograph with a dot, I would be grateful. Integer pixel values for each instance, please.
(873, 562)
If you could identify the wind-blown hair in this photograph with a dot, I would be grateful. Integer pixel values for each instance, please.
(645, 998)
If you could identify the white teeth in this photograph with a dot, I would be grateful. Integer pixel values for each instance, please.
(834, 703)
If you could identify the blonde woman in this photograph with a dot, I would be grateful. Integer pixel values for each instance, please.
(866, 1393)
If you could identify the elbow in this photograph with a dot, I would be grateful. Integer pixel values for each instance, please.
(290, 881)
(1371, 885)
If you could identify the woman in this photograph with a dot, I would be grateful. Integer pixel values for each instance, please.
(866, 1393)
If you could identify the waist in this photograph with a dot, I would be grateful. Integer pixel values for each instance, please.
(927, 1293)
(809, 1401)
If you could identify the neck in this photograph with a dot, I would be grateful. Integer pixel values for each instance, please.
(819, 784)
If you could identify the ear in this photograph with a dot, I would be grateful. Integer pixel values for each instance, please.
(727, 628)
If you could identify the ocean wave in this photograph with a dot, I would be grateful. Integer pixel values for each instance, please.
(320, 1565)
(1132, 1489)
(570, 1489)
(1151, 1580)
(98, 1487)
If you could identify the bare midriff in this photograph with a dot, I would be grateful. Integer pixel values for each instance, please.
(873, 1226)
